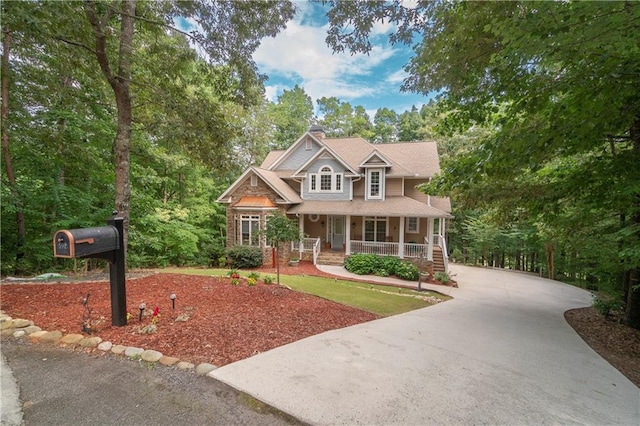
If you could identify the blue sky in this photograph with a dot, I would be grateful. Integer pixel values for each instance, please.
(299, 55)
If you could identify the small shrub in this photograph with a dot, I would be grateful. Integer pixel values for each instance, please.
(251, 282)
(268, 279)
(382, 273)
(254, 275)
(389, 264)
(235, 281)
(443, 277)
(244, 257)
(407, 271)
(233, 273)
(604, 306)
(362, 264)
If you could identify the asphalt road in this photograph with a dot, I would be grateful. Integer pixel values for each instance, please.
(62, 387)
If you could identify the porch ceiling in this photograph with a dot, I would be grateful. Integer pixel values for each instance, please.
(391, 206)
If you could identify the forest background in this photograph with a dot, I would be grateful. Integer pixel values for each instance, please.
(537, 125)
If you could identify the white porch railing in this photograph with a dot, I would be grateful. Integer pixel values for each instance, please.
(373, 247)
(307, 245)
(442, 243)
(414, 250)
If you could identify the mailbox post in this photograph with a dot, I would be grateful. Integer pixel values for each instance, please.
(104, 242)
(117, 277)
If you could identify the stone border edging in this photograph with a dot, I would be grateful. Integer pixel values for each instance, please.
(21, 328)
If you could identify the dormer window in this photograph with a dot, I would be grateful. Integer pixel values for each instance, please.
(325, 181)
(375, 184)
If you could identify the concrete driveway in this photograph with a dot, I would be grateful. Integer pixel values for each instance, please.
(499, 353)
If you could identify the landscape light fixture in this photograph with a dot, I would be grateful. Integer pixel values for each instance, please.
(173, 300)
(142, 308)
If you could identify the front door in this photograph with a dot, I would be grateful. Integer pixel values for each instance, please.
(336, 232)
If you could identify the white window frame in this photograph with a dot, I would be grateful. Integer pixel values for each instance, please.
(410, 228)
(253, 241)
(325, 176)
(381, 176)
(377, 220)
(254, 180)
(308, 145)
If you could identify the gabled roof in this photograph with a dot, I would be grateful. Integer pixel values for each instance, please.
(375, 159)
(285, 192)
(292, 148)
(323, 152)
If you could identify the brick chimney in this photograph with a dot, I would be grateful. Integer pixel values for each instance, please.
(317, 131)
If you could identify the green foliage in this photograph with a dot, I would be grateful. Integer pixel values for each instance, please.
(604, 305)
(254, 275)
(443, 277)
(251, 281)
(362, 264)
(268, 279)
(371, 264)
(407, 271)
(244, 257)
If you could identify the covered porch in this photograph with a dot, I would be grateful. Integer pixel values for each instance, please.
(411, 237)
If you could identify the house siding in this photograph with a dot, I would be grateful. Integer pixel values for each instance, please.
(337, 167)
(298, 156)
(393, 188)
(411, 191)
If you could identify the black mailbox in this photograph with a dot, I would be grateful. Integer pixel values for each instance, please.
(101, 242)
(85, 242)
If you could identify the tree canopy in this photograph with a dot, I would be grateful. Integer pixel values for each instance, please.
(556, 84)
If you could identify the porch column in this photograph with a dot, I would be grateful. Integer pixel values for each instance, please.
(347, 235)
(430, 239)
(401, 239)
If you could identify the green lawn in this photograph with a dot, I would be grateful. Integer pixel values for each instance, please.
(377, 299)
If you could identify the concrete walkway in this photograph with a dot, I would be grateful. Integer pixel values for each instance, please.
(499, 353)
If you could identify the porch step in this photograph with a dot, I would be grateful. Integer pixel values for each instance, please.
(335, 258)
(438, 260)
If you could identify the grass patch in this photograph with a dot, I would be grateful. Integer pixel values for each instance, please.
(378, 299)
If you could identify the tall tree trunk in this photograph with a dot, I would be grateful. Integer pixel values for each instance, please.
(6, 153)
(119, 82)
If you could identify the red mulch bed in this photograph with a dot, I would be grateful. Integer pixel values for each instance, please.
(226, 322)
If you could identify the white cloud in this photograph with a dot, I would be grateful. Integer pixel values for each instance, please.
(300, 54)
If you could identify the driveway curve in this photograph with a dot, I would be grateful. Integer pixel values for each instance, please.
(500, 352)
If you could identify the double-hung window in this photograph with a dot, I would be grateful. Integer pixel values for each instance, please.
(375, 183)
(325, 181)
(413, 225)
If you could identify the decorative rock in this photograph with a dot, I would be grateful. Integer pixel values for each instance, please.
(132, 351)
(205, 368)
(50, 336)
(105, 346)
(4, 318)
(32, 329)
(6, 324)
(71, 339)
(90, 342)
(151, 356)
(182, 365)
(118, 349)
(21, 323)
(19, 333)
(168, 360)
(37, 334)
(7, 333)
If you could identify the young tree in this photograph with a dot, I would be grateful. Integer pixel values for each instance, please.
(280, 229)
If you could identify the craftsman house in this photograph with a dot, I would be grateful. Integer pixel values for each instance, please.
(349, 196)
